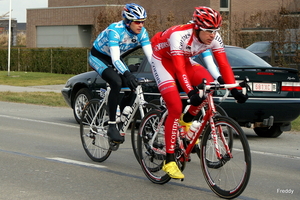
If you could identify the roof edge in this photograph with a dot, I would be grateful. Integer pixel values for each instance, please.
(87, 6)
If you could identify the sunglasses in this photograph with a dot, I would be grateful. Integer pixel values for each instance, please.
(138, 22)
(211, 31)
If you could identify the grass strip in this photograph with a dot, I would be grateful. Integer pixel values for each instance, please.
(32, 78)
(38, 98)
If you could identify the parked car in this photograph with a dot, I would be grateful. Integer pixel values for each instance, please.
(277, 54)
(273, 103)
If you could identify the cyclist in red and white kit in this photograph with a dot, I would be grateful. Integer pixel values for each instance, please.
(171, 62)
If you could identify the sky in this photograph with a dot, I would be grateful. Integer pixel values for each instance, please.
(19, 7)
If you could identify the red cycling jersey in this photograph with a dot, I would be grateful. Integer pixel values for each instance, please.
(179, 43)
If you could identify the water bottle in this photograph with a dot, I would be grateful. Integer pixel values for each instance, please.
(182, 133)
(127, 110)
(193, 129)
(102, 92)
(118, 115)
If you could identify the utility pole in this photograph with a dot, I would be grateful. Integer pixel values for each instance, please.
(9, 40)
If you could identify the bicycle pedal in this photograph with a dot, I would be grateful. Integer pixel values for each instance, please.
(113, 146)
(116, 142)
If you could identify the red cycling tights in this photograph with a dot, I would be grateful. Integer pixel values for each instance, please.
(173, 102)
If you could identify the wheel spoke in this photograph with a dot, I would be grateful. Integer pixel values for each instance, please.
(93, 131)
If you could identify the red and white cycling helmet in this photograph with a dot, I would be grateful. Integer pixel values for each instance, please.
(206, 18)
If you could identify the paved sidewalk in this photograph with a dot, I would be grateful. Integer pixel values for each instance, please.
(41, 88)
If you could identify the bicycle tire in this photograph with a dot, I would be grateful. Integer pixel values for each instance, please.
(152, 160)
(93, 133)
(228, 177)
(220, 110)
(134, 127)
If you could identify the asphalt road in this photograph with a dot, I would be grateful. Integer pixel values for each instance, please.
(41, 157)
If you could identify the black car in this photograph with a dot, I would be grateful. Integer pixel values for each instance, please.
(273, 103)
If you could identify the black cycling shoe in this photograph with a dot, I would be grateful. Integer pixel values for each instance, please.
(114, 134)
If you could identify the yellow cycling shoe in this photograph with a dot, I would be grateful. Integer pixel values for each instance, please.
(185, 124)
(172, 170)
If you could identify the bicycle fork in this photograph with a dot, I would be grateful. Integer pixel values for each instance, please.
(94, 128)
(215, 133)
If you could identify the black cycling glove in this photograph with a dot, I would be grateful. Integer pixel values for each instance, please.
(131, 80)
(195, 99)
(239, 96)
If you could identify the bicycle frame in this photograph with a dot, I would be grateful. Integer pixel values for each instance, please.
(207, 119)
(138, 104)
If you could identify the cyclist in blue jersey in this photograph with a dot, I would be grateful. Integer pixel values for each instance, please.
(104, 58)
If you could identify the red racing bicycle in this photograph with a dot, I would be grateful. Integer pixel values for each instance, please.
(224, 150)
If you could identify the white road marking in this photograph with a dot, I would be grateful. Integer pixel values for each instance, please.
(39, 121)
(275, 154)
(77, 162)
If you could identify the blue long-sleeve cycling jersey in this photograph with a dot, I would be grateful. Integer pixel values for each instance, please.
(117, 35)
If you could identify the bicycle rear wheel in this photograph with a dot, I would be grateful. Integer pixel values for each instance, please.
(151, 147)
(229, 176)
(93, 131)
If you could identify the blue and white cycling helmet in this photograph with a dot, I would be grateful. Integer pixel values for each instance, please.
(134, 12)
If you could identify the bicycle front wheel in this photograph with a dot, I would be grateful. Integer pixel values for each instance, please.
(93, 130)
(228, 176)
(151, 147)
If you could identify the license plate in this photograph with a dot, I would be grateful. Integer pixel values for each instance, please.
(264, 87)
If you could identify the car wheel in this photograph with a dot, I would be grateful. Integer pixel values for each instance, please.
(81, 98)
(272, 132)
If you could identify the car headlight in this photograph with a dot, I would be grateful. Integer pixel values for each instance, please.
(68, 85)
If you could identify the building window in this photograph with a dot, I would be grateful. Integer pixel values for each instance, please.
(224, 5)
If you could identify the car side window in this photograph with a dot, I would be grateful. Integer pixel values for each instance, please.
(134, 59)
(147, 67)
(290, 48)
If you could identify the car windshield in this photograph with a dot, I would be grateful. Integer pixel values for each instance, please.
(260, 47)
(239, 57)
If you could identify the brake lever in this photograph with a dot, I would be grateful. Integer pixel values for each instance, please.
(201, 87)
(245, 87)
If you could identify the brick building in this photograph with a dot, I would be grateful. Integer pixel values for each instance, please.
(70, 23)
